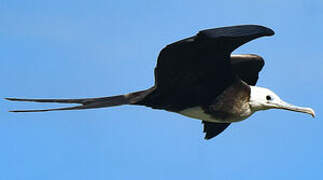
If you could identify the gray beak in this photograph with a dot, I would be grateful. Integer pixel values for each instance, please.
(290, 107)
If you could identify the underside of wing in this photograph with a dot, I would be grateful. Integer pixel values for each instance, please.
(213, 129)
(247, 67)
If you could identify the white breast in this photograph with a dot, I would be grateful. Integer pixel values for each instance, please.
(198, 113)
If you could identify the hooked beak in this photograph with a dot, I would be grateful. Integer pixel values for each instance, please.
(290, 107)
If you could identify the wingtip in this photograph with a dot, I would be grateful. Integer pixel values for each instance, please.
(207, 138)
(270, 32)
(266, 30)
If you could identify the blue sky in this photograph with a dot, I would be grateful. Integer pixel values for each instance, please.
(74, 49)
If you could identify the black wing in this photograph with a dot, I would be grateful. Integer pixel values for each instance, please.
(194, 71)
(213, 129)
(247, 67)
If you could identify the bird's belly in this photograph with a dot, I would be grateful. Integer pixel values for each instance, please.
(199, 113)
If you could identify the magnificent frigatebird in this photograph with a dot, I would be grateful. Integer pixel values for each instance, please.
(199, 78)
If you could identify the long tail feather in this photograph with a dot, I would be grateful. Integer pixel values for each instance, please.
(88, 103)
(55, 109)
(84, 101)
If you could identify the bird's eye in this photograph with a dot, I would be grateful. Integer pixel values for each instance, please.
(268, 98)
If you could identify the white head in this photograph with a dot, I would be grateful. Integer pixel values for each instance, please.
(263, 99)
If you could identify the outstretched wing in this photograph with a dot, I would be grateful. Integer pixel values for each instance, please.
(198, 67)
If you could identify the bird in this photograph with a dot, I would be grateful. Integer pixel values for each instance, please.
(200, 78)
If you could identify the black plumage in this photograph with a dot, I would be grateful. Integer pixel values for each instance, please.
(198, 67)
(190, 73)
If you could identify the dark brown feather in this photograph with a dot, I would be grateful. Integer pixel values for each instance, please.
(196, 70)
(88, 103)
(231, 104)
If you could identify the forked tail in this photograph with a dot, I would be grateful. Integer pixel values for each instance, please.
(88, 103)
